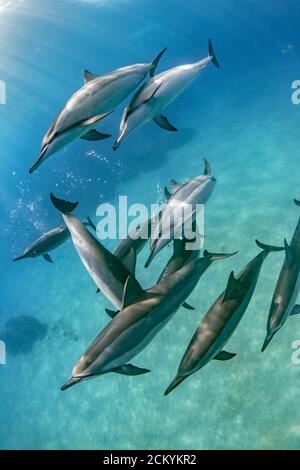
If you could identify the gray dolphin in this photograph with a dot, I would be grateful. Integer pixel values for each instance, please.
(181, 255)
(155, 95)
(132, 329)
(180, 209)
(221, 320)
(106, 269)
(287, 288)
(98, 97)
(136, 240)
(48, 242)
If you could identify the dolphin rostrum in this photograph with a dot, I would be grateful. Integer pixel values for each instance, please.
(221, 320)
(106, 269)
(287, 288)
(98, 97)
(155, 95)
(180, 209)
(132, 329)
(48, 242)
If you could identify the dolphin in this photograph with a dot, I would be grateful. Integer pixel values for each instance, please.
(221, 319)
(136, 240)
(48, 242)
(155, 95)
(106, 269)
(287, 288)
(132, 329)
(181, 254)
(181, 207)
(98, 97)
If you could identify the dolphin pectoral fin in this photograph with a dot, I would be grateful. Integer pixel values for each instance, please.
(295, 310)
(94, 135)
(93, 120)
(217, 256)
(155, 62)
(167, 193)
(129, 369)
(212, 54)
(63, 206)
(111, 313)
(163, 122)
(207, 169)
(297, 202)
(224, 356)
(47, 258)
(230, 288)
(188, 306)
(129, 261)
(132, 291)
(89, 76)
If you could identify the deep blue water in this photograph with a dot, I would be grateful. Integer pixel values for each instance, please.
(242, 119)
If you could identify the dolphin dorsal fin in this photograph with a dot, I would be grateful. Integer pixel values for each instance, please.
(89, 76)
(231, 285)
(175, 185)
(132, 291)
(207, 169)
(167, 193)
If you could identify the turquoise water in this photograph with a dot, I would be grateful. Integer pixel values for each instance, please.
(242, 120)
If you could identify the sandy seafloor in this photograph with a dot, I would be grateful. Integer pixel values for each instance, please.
(242, 120)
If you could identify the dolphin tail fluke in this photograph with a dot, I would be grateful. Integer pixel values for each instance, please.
(90, 223)
(175, 382)
(211, 53)
(267, 341)
(297, 202)
(155, 62)
(70, 383)
(217, 256)
(269, 248)
(63, 206)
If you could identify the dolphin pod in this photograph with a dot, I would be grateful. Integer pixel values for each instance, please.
(173, 216)
(143, 315)
(283, 304)
(155, 95)
(48, 242)
(105, 268)
(221, 320)
(98, 98)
